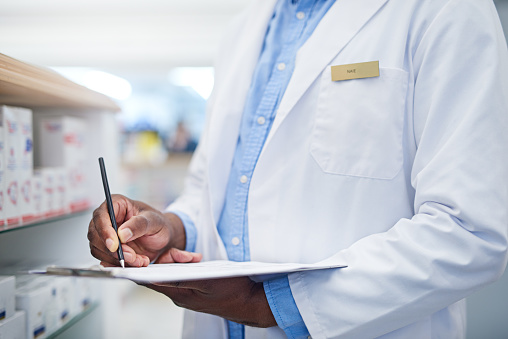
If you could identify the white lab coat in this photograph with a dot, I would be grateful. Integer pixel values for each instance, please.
(403, 177)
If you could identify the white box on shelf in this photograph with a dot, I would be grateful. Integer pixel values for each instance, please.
(52, 310)
(37, 192)
(48, 197)
(18, 163)
(2, 173)
(65, 299)
(84, 294)
(34, 298)
(7, 293)
(14, 327)
(61, 142)
(12, 162)
(62, 204)
(25, 122)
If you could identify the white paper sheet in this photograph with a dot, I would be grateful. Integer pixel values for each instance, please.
(186, 272)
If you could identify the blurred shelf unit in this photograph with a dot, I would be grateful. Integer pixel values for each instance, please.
(66, 127)
(61, 331)
(45, 220)
(33, 98)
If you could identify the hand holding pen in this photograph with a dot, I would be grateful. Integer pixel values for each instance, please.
(145, 234)
(111, 211)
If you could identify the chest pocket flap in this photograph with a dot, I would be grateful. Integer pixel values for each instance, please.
(359, 124)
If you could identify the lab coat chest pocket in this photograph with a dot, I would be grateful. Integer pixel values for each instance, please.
(359, 123)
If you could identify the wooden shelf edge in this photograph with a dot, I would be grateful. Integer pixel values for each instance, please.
(26, 85)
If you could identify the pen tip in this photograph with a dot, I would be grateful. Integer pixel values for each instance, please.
(122, 263)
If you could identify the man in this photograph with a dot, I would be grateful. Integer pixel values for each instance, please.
(402, 175)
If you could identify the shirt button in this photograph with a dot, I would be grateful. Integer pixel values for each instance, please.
(300, 15)
(281, 66)
(261, 120)
(243, 179)
(235, 241)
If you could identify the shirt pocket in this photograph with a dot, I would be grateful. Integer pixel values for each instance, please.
(359, 123)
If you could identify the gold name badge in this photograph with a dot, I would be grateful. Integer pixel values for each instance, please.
(355, 71)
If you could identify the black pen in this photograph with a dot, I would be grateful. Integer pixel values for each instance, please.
(111, 211)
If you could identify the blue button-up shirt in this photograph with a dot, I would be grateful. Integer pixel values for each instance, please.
(292, 23)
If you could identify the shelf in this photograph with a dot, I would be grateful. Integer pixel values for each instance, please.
(39, 222)
(60, 239)
(74, 320)
(26, 85)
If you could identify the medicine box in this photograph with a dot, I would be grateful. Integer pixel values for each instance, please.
(63, 290)
(12, 164)
(14, 327)
(61, 142)
(47, 177)
(83, 294)
(62, 203)
(2, 174)
(34, 298)
(37, 193)
(26, 164)
(17, 161)
(7, 293)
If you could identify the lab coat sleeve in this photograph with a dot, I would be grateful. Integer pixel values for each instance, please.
(457, 240)
(186, 206)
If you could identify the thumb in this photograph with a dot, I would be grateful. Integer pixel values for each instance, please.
(174, 255)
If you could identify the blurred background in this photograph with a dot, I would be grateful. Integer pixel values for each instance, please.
(155, 59)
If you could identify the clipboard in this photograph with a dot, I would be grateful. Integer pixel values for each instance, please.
(176, 272)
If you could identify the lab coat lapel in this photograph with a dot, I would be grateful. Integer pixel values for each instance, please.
(340, 24)
(230, 100)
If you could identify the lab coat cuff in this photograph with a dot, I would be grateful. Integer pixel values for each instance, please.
(284, 309)
(191, 234)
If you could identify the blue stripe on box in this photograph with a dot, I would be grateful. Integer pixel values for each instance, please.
(39, 331)
(64, 315)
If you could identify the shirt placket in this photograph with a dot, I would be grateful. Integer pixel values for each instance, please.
(260, 128)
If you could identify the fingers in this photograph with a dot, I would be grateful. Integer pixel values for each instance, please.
(209, 285)
(148, 223)
(106, 264)
(103, 238)
(199, 285)
(134, 228)
(184, 256)
(134, 259)
(104, 256)
(100, 231)
(98, 247)
(174, 255)
(179, 296)
(145, 230)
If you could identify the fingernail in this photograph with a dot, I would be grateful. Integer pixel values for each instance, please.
(110, 244)
(184, 256)
(125, 234)
(128, 257)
